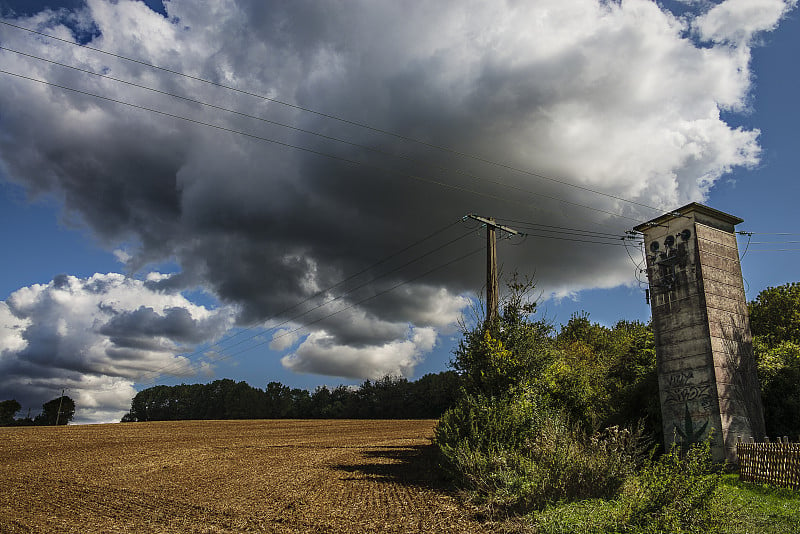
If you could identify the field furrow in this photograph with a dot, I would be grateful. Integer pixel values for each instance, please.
(225, 477)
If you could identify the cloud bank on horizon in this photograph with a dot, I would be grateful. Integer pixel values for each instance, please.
(95, 337)
(622, 98)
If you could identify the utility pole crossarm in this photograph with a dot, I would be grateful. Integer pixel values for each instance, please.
(492, 290)
(492, 223)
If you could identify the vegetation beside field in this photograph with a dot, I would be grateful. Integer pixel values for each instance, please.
(387, 398)
(563, 429)
(746, 508)
(734, 508)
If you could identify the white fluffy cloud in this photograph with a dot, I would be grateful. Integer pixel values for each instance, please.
(319, 353)
(96, 336)
(625, 98)
(736, 21)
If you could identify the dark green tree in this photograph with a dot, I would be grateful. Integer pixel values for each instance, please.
(633, 379)
(497, 356)
(775, 325)
(388, 397)
(775, 314)
(8, 409)
(58, 411)
(779, 374)
(605, 376)
(279, 401)
(320, 402)
(301, 404)
(432, 394)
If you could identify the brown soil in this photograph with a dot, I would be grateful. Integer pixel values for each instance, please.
(226, 476)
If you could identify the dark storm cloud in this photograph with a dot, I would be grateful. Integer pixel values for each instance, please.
(175, 323)
(611, 97)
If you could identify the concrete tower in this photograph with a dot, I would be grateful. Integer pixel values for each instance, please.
(706, 369)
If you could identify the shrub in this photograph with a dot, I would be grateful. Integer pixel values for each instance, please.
(672, 494)
(517, 454)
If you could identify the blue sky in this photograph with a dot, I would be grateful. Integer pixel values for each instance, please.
(248, 230)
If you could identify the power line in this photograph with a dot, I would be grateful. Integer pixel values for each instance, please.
(243, 133)
(332, 314)
(528, 224)
(585, 233)
(460, 258)
(638, 266)
(310, 132)
(766, 233)
(222, 356)
(352, 290)
(619, 242)
(326, 303)
(590, 236)
(776, 250)
(315, 295)
(281, 143)
(406, 157)
(353, 123)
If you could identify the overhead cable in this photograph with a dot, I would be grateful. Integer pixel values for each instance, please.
(332, 314)
(348, 121)
(325, 291)
(406, 157)
(282, 143)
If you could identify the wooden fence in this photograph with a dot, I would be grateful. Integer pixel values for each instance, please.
(770, 463)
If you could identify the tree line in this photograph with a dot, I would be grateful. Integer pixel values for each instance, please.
(387, 398)
(58, 411)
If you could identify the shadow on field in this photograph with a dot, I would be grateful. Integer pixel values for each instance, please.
(415, 465)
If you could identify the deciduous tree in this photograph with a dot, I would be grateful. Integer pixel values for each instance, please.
(775, 324)
(58, 411)
(8, 409)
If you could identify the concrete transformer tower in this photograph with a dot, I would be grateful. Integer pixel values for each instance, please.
(706, 369)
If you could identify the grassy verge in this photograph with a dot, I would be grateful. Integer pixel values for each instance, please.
(749, 508)
(738, 508)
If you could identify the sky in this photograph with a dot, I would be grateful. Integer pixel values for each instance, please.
(271, 191)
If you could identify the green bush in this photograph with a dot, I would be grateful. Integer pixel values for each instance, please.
(672, 494)
(517, 454)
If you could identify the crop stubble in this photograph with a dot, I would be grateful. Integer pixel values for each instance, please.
(225, 476)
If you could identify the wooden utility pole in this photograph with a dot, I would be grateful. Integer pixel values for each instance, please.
(492, 287)
(60, 400)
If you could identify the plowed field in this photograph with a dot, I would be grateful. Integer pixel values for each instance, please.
(226, 476)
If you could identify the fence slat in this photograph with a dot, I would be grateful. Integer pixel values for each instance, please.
(776, 463)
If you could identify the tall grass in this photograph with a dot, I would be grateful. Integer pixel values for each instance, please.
(517, 454)
(672, 494)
